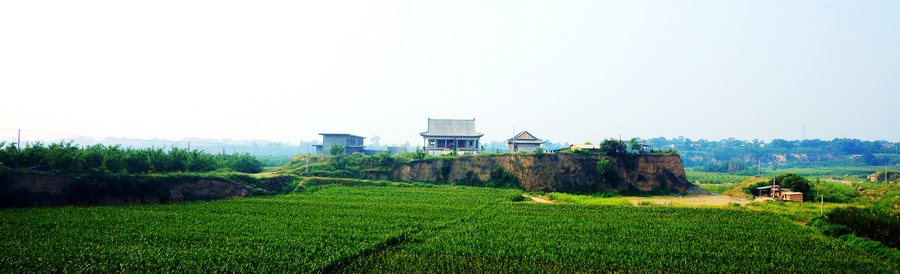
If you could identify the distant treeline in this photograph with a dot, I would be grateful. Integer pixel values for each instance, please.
(66, 157)
(732, 149)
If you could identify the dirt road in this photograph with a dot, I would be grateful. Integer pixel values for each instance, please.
(710, 200)
(539, 200)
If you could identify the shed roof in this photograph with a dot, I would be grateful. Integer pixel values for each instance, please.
(451, 127)
(594, 147)
(341, 134)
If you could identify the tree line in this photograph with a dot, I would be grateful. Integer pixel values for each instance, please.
(66, 157)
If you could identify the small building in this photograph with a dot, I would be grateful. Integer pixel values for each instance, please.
(591, 148)
(351, 143)
(448, 135)
(782, 194)
(524, 141)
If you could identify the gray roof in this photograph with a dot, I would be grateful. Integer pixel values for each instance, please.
(451, 127)
(527, 138)
(340, 134)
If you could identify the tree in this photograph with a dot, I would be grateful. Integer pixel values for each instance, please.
(780, 143)
(420, 154)
(607, 172)
(792, 181)
(336, 149)
(634, 146)
(612, 147)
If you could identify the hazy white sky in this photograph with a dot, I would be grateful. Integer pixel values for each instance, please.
(567, 71)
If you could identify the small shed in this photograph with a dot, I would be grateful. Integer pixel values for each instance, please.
(792, 196)
(779, 193)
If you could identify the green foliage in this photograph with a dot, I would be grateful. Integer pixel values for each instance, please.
(602, 198)
(445, 170)
(336, 149)
(518, 198)
(607, 173)
(539, 151)
(873, 247)
(612, 147)
(716, 188)
(713, 177)
(500, 178)
(791, 181)
(420, 154)
(727, 167)
(836, 193)
(828, 228)
(868, 223)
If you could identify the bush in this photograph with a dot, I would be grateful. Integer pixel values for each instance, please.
(877, 226)
(646, 203)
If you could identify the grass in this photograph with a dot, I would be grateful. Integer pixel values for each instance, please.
(587, 199)
(717, 188)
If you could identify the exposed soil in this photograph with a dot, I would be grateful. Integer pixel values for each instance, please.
(539, 200)
(704, 200)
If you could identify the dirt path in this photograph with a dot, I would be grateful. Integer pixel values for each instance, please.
(539, 200)
(838, 181)
(710, 200)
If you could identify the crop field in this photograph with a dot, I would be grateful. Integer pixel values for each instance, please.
(533, 238)
(713, 177)
(414, 229)
(292, 233)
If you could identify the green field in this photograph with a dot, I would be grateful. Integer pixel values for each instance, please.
(415, 229)
(713, 177)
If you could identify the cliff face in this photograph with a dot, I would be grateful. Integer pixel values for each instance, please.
(550, 172)
(48, 190)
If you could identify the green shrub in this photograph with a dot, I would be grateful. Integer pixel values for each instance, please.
(518, 198)
(646, 203)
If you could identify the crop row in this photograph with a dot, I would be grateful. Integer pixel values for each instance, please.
(414, 229)
(538, 238)
(292, 233)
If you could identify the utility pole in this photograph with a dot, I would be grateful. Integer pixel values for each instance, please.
(822, 208)
(19, 141)
(307, 157)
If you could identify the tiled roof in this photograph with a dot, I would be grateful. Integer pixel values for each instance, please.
(451, 127)
(525, 137)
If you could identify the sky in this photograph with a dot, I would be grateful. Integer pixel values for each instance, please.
(566, 71)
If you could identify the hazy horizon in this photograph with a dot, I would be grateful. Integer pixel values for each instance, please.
(285, 71)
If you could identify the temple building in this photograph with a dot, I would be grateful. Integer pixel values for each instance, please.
(447, 135)
(351, 143)
(524, 141)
